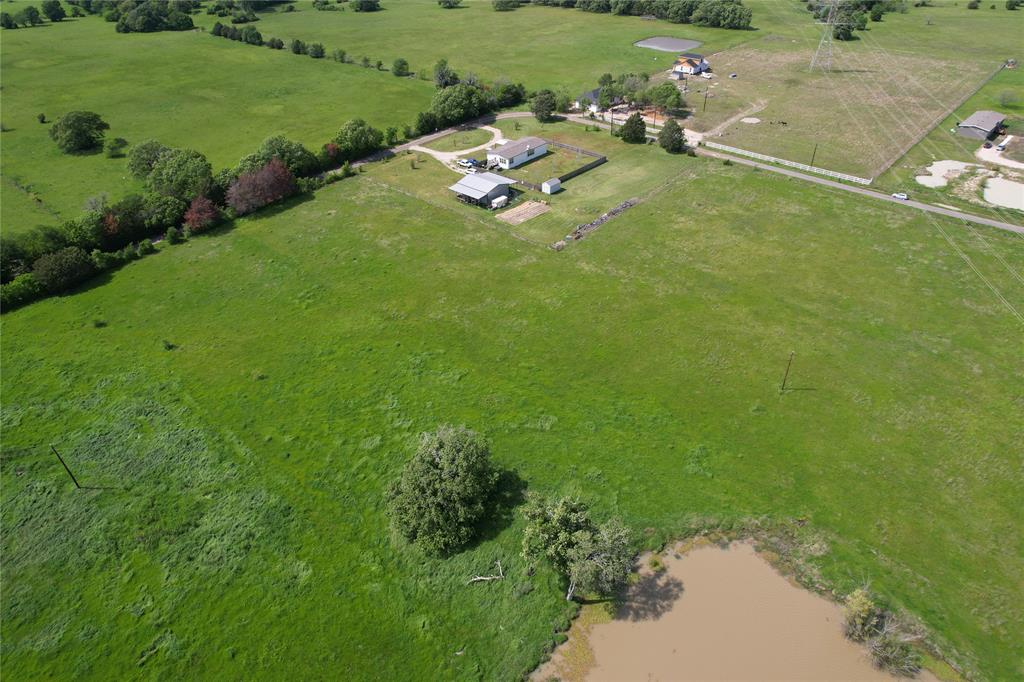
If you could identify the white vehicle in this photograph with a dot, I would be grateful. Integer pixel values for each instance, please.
(706, 75)
(1005, 143)
(499, 202)
(464, 163)
(902, 196)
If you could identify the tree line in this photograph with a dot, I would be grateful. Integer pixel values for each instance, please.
(713, 13)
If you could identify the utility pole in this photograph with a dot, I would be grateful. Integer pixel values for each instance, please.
(785, 377)
(814, 153)
(823, 56)
(73, 479)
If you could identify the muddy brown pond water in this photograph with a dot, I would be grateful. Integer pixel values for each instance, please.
(714, 614)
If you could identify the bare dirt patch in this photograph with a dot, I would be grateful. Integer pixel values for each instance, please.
(523, 212)
(666, 44)
(714, 614)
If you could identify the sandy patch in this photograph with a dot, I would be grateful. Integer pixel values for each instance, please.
(1005, 193)
(993, 155)
(666, 44)
(523, 212)
(716, 614)
(750, 119)
(941, 172)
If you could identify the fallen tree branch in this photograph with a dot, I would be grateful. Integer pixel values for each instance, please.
(485, 578)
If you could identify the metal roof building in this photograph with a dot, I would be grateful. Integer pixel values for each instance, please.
(981, 124)
(518, 152)
(482, 188)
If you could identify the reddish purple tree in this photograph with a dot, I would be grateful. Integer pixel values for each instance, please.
(257, 189)
(200, 214)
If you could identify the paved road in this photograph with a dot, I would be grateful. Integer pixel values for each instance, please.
(881, 196)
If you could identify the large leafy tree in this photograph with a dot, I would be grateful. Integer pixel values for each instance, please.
(543, 105)
(143, 156)
(63, 269)
(78, 131)
(444, 75)
(671, 137)
(181, 173)
(444, 491)
(593, 558)
(458, 103)
(357, 139)
(28, 16)
(634, 130)
(52, 10)
(251, 191)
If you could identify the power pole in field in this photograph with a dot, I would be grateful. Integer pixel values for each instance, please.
(823, 56)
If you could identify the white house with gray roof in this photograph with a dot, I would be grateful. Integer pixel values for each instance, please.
(518, 152)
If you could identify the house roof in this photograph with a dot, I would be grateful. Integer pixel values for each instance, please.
(510, 150)
(688, 62)
(592, 95)
(691, 55)
(479, 185)
(984, 120)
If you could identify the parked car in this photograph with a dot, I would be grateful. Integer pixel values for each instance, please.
(902, 196)
(987, 145)
(466, 163)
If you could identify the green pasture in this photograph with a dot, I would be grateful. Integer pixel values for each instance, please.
(188, 89)
(241, 402)
(461, 139)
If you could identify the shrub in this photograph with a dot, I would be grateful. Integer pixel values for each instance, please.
(444, 491)
(973, 4)
(115, 147)
(861, 618)
(7, 21)
(63, 269)
(315, 50)
(254, 190)
(449, 4)
(23, 289)
(52, 10)
(338, 56)
(504, 5)
(78, 131)
(173, 236)
(297, 47)
(143, 156)
(145, 247)
(400, 67)
(201, 214)
(896, 655)
(365, 5)
(634, 130)
(275, 44)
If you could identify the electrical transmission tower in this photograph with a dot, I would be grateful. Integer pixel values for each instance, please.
(823, 57)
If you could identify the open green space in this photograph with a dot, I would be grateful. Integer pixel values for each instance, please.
(1005, 94)
(188, 89)
(631, 171)
(246, 397)
(461, 139)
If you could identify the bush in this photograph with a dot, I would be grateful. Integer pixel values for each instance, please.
(891, 653)
(444, 491)
(365, 5)
(400, 67)
(297, 47)
(449, 4)
(23, 289)
(254, 190)
(861, 618)
(181, 173)
(115, 148)
(973, 4)
(201, 214)
(315, 50)
(173, 236)
(78, 131)
(63, 269)
(504, 5)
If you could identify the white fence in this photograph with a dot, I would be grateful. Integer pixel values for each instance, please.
(791, 164)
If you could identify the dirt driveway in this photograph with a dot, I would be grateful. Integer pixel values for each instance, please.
(449, 158)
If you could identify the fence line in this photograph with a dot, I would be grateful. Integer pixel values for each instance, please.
(791, 164)
(582, 169)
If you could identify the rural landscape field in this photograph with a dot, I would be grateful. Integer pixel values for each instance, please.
(301, 381)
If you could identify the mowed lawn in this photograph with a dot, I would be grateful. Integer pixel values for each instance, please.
(186, 89)
(247, 396)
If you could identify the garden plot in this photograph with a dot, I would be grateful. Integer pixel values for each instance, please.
(523, 212)
(857, 119)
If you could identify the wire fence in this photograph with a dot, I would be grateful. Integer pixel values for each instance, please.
(790, 164)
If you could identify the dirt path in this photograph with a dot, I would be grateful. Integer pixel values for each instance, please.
(448, 158)
(732, 120)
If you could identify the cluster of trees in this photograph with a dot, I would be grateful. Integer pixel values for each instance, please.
(449, 4)
(462, 99)
(449, 489)
(853, 15)
(30, 16)
(151, 16)
(78, 131)
(715, 13)
(505, 5)
(241, 12)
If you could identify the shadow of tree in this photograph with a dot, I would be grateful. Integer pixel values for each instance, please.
(509, 494)
(651, 597)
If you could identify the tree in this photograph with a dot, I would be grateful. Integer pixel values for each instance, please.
(357, 139)
(444, 491)
(391, 136)
(297, 47)
(78, 131)
(251, 191)
(504, 5)
(400, 67)
(28, 16)
(181, 173)
(63, 269)
(543, 105)
(592, 558)
(456, 104)
(1010, 5)
(297, 159)
(201, 214)
(315, 50)
(665, 96)
(605, 80)
(7, 21)
(449, 4)
(160, 211)
(365, 5)
(426, 123)
(338, 56)
(251, 36)
(52, 10)
(115, 148)
(143, 156)
(634, 130)
(444, 76)
(876, 12)
(671, 137)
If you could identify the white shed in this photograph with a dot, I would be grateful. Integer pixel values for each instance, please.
(551, 186)
(512, 154)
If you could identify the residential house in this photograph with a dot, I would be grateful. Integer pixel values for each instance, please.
(517, 152)
(690, 64)
(981, 125)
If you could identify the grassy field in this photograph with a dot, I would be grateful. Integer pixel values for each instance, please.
(234, 97)
(631, 171)
(242, 534)
(886, 88)
(1005, 94)
(462, 139)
